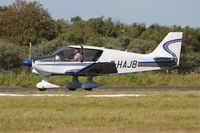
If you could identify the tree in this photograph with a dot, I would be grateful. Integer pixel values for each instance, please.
(48, 47)
(26, 22)
(191, 39)
(79, 33)
(75, 19)
(135, 30)
(119, 43)
(96, 24)
(155, 32)
(142, 46)
(104, 27)
(62, 26)
(10, 55)
(189, 62)
(3, 8)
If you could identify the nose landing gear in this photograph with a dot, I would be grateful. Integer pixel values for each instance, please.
(44, 84)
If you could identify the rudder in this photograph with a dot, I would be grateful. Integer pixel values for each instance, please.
(170, 47)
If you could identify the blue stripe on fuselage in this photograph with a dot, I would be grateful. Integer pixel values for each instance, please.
(155, 62)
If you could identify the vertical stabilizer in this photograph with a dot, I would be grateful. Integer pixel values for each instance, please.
(170, 47)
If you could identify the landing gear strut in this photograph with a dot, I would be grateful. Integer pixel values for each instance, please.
(90, 84)
(74, 84)
(44, 84)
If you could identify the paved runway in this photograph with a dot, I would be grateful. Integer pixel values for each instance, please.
(66, 95)
(109, 88)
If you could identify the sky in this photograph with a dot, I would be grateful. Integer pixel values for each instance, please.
(163, 12)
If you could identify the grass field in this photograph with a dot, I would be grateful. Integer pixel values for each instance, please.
(24, 79)
(157, 112)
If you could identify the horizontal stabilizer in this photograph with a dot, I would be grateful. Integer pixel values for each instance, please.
(164, 58)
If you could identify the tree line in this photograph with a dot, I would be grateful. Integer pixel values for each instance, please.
(24, 22)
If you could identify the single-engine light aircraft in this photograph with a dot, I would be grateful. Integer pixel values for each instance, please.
(92, 61)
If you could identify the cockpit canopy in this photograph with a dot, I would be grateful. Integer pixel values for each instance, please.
(88, 55)
(63, 53)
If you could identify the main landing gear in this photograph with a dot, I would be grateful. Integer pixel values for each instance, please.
(88, 85)
(74, 84)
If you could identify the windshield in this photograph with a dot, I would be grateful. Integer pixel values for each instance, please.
(64, 54)
(70, 54)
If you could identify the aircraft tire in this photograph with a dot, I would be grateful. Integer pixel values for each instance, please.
(71, 89)
(42, 89)
(88, 89)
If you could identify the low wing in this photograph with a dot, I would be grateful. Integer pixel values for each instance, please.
(95, 69)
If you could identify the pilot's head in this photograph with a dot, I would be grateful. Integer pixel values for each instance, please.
(75, 50)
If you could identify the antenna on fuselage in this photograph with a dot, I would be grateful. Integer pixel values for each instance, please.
(30, 51)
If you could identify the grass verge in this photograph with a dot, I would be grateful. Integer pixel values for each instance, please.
(25, 79)
(169, 112)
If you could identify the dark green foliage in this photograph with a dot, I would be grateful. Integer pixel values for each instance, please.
(75, 19)
(190, 62)
(48, 47)
(155, 32)
(3, 8)
(191, 39)
(62, 26)
(80, 33)
(134, 30)
(104, 27)
(120, 43)
(10, 55)
(23, 22)
(142, 46)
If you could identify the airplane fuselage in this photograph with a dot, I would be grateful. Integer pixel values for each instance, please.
(96, 61)
(125, 62)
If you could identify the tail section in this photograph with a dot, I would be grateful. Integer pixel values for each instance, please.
(170, 47)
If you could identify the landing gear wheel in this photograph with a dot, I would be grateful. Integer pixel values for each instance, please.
(42, 89)
(88, 89)
(71, 89)
(74, 84)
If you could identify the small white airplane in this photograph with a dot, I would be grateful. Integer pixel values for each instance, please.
(97, 61)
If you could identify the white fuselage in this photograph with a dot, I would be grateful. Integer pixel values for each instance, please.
(126, 62)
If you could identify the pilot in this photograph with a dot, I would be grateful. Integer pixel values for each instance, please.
(77, 56)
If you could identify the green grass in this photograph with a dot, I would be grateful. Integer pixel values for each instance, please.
(24, 79)
(158, 112)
